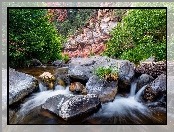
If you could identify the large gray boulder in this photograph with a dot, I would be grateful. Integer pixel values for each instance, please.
(156, 90)
(69, 106)
(20, 85)
(82, 68)
(104, 89)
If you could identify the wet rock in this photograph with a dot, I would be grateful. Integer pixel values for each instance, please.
(70, 106)
(47, 80)
(152, 68)
(144, 79)
(35, 62)
(77, 87)
(156, 90)
(58, 63)
(62, 77)
(20, 85)
(82, 68)
(104, 89)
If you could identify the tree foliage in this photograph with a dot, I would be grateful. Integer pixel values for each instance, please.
(31, 35)
(141, 34)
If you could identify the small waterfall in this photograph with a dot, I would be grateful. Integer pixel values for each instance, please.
(133, 88)
(38, 99)
(42, 88)
(139, 93)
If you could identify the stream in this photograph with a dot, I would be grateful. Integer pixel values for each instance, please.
(124, 109)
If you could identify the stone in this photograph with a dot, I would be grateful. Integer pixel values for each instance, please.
(156, 90)
(20, 85)
(47, 80)
(82, 68)
(35, 62)
(69, 106)
(78, 88)
(104, 89)
(144, 79)
(152, 68)
(58, 63)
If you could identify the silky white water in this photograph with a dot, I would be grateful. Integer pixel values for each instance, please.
(125, 108)
(38, 99)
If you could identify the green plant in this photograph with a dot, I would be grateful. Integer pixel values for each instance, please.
(65, 58)
(141, 33)
(107, 73)
(31, 35)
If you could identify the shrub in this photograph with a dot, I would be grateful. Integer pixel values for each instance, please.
(141, 33)
(107, 73)
(31, 35)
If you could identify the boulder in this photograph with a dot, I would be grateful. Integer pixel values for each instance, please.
(69, 106)
(152, 68)
(104, 89)
(20, 85)
(62, 77)
(156, 90)
(82, 68)
(47, 80)
(35, 62)
(77, 87)
(144, 79)
(57, 63)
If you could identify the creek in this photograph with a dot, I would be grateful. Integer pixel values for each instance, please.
(126, 108)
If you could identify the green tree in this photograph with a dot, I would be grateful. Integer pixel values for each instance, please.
(31, 35)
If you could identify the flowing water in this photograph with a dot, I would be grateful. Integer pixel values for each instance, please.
(122, 110)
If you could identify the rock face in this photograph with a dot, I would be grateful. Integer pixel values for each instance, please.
(144, 79)
(105, 90)
(152, 68)
(47, 80)
(69, 106)
(156, 90)
(77, 87)
(82, 68)
(20, 85)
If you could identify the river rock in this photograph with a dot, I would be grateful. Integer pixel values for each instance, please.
(35, 62)
(47, 80)
(156, 90)
(152, 68)
(82, 68)
(57, 63)
(77, 87)
(104, 89)
(144, 79)
(20, 85)
(69, 106)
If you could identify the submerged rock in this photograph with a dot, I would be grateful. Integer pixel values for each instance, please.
(156, 90)
(82, 68)
(104, 89)
(70, 106)
(20, 85)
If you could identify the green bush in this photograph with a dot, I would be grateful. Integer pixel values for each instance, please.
(141, 33)
(31, 35)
